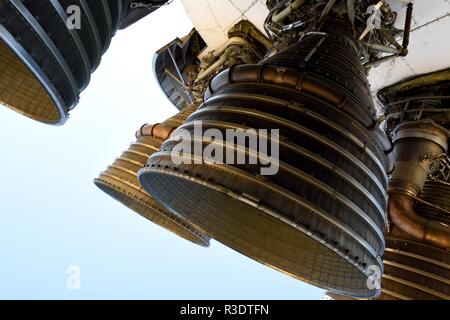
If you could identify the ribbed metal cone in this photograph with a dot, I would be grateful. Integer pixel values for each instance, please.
(22, 92)
(44, 61)
(414, 270)
(321, 217)
(120, 182)
(178, 119)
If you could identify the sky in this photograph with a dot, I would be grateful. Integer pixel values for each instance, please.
(56, 225)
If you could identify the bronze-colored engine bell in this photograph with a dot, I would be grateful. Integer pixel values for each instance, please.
(413, 270)
(120, 181)
(321, 217)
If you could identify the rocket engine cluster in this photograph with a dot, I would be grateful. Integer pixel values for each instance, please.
(359, 204)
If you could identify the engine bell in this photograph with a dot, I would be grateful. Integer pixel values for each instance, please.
(48, 50)
(321, 217)
(120, 182)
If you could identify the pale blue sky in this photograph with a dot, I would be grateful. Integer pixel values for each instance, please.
(52, 215)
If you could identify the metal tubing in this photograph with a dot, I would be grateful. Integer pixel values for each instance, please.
(417, 145)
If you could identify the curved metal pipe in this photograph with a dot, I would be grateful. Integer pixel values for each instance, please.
(305, 82)
(216, 65)
(417, 145)
(402, 214)
(222, 53)
(283, 14)
(234, 41)
(158, 130)
(165, 129)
